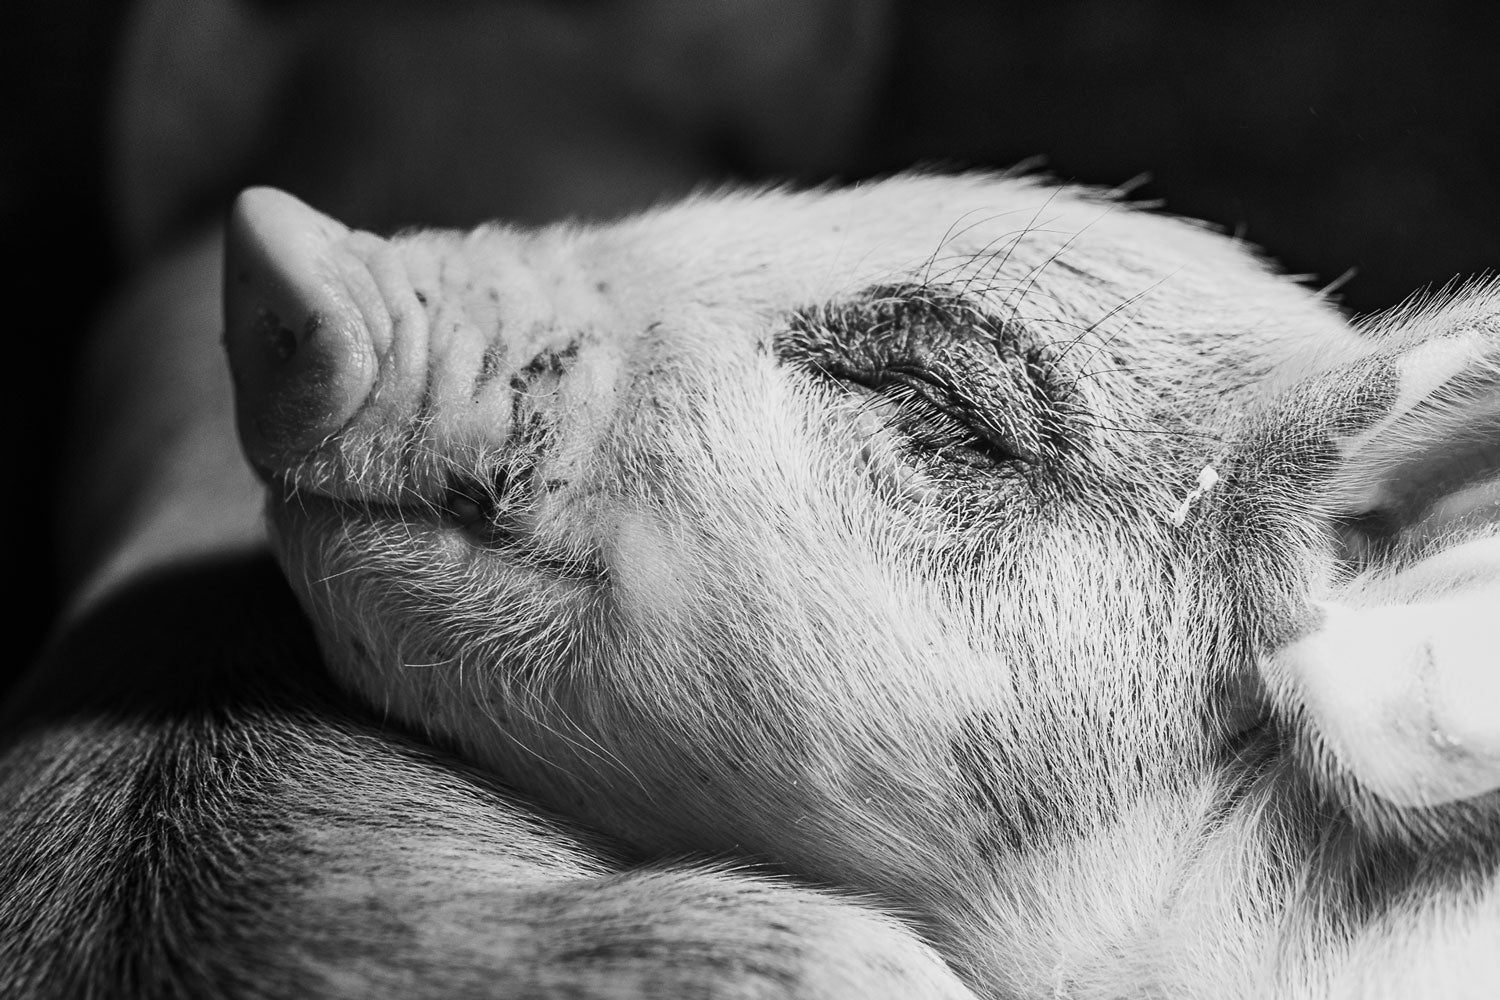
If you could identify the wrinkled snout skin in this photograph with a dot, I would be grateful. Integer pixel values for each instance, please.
(995, 550)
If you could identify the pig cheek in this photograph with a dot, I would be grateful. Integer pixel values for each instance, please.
(650, 573)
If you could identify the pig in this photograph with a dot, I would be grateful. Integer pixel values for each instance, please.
(1041, 574)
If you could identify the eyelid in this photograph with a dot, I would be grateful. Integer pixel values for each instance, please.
(876, 422)
(924, 399)
(919, 419)
(987, 375)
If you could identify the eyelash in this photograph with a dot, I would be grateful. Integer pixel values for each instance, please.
(926, 430)
(940, 433)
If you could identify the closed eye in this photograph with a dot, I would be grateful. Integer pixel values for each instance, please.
(929, 425)
(961, 388)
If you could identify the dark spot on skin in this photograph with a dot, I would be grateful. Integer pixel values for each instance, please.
(278, 338)
(553, 362)
(490, 364)
(1024, 814)
(602, 287)
(421, 298)
(550, 362)
(1359, 877)
(533, 432)
(283, 344)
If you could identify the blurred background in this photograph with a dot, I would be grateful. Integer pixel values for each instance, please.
(1354, 141)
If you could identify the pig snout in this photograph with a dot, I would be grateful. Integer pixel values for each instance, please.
(299, 341)
(378, 370)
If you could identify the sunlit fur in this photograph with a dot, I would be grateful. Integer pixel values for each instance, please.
(733, 614)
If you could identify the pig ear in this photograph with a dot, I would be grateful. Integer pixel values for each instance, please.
(1430, 466)
(304, 320)
(1400, 683)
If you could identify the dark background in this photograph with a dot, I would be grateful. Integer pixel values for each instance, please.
(1342, 136)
